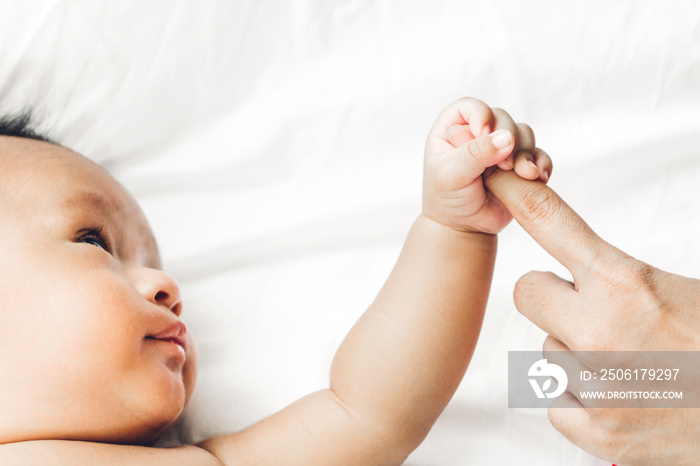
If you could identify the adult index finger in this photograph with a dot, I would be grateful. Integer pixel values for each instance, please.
(551, 222)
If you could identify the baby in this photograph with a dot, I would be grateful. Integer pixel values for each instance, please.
(96, 361)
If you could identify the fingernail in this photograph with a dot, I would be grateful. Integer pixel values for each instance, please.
(545, 175)
(501, 139)
(486, 130)
(532, 164)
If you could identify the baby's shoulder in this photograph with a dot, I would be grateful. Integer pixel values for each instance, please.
(65, 452)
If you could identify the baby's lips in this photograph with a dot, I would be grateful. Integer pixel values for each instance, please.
(176, 332)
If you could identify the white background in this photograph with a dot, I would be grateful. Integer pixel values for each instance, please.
(276, 148)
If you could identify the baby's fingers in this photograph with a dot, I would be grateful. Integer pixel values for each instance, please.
(505, 121)
(466, 111)
(544, 165)
(526, 138)
(468, 161)
(524, 165)
(533, 166)
(459, 134)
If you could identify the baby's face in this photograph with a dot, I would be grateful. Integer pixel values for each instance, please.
(77, 312)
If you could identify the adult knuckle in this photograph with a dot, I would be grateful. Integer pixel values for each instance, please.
(643, 277)
(537, 206)
(631, 277)
(524, 288)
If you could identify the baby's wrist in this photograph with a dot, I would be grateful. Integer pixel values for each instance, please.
(439, 229)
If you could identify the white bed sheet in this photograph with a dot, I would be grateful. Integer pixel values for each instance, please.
(276, 148)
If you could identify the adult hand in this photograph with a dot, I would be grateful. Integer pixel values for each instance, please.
(615, 302)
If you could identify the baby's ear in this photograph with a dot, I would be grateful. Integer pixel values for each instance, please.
(459, 134)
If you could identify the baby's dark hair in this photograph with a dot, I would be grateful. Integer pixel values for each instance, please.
(20, 125)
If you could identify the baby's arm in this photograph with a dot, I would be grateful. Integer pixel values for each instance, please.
(402, 361)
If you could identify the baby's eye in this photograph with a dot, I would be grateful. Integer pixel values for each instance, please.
(94, 236)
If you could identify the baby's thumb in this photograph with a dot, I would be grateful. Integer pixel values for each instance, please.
(484, 152)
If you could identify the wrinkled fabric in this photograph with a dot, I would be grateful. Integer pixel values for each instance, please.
(276, 148)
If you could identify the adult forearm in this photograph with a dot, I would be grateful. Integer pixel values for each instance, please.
(404, 358)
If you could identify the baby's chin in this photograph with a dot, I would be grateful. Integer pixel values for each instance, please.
(144, 435)
(150, 438)
(150, 418)
(152, 400)
(160, 401)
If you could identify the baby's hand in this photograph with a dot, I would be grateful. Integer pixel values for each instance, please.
(460, 147)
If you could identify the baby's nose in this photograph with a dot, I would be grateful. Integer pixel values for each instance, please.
(159, 288)
(171, 301)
